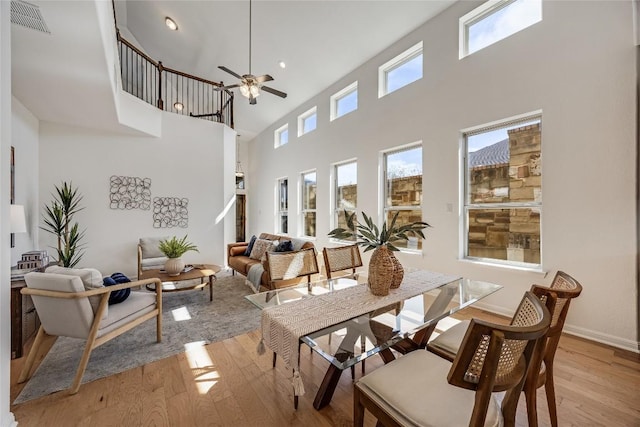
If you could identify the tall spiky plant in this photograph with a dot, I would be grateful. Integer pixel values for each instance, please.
(58, 220)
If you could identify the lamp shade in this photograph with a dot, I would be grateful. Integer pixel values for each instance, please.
(18, 220)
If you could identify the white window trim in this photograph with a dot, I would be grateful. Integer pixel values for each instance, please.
(334, 195)
(353, 87)
(395, 62)
(382, 207)
(279, 211)
(277, 135)
(304, 116)
(476, 15)
(301, 204)
(464, 226)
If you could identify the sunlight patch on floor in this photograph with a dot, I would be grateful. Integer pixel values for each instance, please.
(205, 375)
(180, 314)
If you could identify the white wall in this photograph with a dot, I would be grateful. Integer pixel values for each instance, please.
(24, 138)
(188, 160)
(579, 72)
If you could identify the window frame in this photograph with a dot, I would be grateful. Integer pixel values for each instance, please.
(303, 117)
(338, 96)
(466, 205)
(395, 63)
(384, 209)
(336, 211)
(277, 136)
(479, 14)
(304, 210)
(280, 212)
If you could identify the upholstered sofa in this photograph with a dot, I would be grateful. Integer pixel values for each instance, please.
(242, 263)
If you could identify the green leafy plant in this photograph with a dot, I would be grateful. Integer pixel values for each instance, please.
(369, 236)
(175, 248)
(58, 220)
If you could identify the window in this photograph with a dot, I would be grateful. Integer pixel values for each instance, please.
(307, 121)
(281, 136)
(283, 206)
(400, 71)
(496, 20)
(308, 191)
(403, 189)
(344, 101)
(346, 191)
(503, 193)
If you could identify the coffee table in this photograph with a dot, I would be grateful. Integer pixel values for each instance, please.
(172, 283)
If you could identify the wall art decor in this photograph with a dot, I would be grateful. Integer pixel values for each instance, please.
(169, 212)
(130, 192)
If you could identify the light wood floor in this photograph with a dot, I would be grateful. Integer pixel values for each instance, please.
(228, 384)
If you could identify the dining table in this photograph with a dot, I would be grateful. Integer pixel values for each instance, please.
(343, 322)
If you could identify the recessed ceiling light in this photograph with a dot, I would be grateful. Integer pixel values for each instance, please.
(178, 106)
(171, 23)
(282, 64)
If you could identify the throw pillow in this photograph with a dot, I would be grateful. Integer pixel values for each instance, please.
(260, 247)
(118, 296)
(247, 252)
(91, 279)
(285, 246)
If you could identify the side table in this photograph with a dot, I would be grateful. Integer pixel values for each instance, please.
(24, 318)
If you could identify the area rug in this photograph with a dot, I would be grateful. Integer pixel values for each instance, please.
(188, 317)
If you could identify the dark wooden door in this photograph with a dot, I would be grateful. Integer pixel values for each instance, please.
(241, 218)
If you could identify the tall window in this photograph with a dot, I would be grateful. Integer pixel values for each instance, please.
(403, 189)
(281, 136)
(283, 205)
(308, 192)
(307, 121)
(496, 20)
(344, 101)
(346, 191)
(400, 71)
(503, 192)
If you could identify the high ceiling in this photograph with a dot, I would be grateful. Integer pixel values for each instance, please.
(320, 41)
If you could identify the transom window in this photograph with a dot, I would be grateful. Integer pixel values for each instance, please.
(403, 189)
(400, 71)
(503, 191)
(281, 136)
(283, 206)
(308, 193)
(344, 101)
(346, 191)
(496, 20)
(307, 121)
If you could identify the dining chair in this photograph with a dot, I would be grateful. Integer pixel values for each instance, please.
(423, 389)
(557, 298)
(64, 308)
(284, 266)
(341, 258)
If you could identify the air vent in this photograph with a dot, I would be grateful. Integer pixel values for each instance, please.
(28, 15)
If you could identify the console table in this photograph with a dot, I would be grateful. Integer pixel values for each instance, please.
(24, 319)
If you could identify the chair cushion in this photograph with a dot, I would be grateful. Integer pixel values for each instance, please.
(91, 279)
(149, 246)
(414, 390)
(138, 304)
(155, 263)
(450, 340)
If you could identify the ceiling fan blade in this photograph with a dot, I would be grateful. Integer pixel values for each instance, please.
(274, 91)
(265, 78)
(219, 88)
(233, 73)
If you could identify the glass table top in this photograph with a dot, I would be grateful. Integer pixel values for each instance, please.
(347, 343)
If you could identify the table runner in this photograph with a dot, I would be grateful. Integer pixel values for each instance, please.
(283, 325)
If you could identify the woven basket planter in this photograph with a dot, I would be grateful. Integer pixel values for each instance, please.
(381, 270)
(398, 272)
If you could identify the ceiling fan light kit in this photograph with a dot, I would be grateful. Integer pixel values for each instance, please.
(249, 84)
(171, 24)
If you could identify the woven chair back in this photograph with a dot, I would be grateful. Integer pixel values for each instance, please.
(289, 265)
(341, 258)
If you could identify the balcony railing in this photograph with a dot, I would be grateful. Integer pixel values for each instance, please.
(172, 90)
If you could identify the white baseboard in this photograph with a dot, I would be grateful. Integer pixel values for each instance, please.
(9, 420)
(621, 343)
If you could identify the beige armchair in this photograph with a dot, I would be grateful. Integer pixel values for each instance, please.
(63, 305)
(149, 255)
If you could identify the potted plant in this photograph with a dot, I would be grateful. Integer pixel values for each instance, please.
(173, 249)
(385, 271)
(58, 220)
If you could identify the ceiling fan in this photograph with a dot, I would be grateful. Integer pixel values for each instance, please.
(249, 84)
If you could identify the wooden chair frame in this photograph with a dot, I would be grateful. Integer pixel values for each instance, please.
(93, 341)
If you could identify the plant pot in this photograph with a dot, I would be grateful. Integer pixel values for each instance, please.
(174, 266)
(381, 270)
(398, 272)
